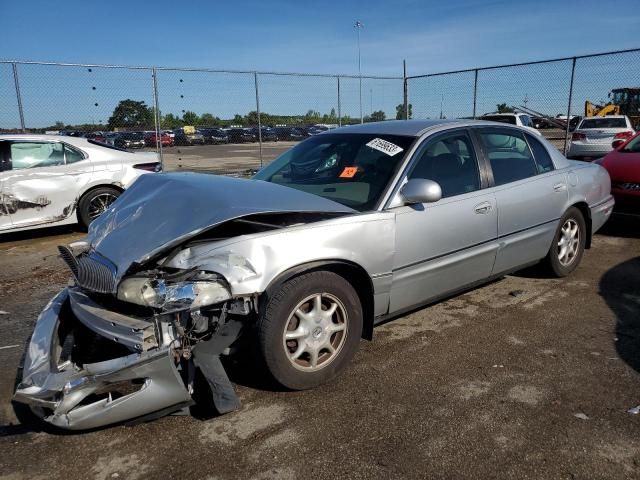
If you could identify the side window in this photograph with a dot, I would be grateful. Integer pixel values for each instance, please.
(36, 154)
(450, 161)
(508, 154)
(72, 155)
(541, 155)
(525, 120)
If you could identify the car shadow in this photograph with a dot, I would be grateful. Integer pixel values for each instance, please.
(625, 226)
(619, 288)
(39, 233)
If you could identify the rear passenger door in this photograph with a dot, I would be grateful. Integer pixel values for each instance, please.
(530, 194)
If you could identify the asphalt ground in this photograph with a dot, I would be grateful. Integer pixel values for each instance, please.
(527, 377)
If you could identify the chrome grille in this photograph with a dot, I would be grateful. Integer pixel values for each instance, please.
(91, 271)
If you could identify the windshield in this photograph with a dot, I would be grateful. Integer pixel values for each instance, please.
(633, 146)
(510, 119)
(351, 169)
(603, 122)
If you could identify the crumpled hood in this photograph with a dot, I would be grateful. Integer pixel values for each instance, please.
(160, 211)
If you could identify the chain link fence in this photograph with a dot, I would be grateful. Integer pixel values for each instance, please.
(553, 93)
(197, 119)
(226, 121)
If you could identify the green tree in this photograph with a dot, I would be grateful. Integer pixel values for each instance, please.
(503, 108)
(190, 118)
(131, 114)
(400, 111)
(209, 120)
(170, 121)
(58, 125)
(238, 119)
(252, 118)
(378, 116)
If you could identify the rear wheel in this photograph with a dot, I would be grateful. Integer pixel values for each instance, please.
(94, 203)
(310, 329)
(568, 244)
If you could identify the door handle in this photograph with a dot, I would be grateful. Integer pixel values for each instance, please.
(482, 208)
(560, 187)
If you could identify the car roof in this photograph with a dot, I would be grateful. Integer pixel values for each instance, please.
(77, 141)
(413, 128)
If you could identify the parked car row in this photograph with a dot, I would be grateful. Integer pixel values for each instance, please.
(200, 136)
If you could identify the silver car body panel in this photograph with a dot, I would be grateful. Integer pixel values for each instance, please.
(412, 254)
(48, 196)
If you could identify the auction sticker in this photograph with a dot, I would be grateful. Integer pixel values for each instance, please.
(385, 147)
(349, 172)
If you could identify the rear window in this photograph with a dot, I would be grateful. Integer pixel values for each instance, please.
(603, 122)
(510, 119)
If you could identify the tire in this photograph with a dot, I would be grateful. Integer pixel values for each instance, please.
(342, 330)
(95, 202)
(561, 265)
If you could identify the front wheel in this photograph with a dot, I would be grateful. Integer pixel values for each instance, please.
(310, 329)
(568, 244)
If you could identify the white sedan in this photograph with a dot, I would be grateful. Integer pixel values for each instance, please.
(48, 180)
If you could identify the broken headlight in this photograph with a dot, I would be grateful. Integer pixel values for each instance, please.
(172, 296)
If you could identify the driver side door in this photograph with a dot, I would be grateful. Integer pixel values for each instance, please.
(43, 184)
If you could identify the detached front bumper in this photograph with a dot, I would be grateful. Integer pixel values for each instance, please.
(89, 395)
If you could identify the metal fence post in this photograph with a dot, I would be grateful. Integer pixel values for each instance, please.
(405, 90)
(18, 95)
(255, 78)
(339, 110)
(475, 93)
(566, 133)
(156, 116)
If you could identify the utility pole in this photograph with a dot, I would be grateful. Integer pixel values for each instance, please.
(358, 26)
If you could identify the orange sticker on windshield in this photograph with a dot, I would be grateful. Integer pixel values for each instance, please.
(349, 172)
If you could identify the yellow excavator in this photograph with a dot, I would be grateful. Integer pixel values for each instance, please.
(624, 101)
(591, 110)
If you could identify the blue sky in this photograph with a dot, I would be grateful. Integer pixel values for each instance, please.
(304, 37)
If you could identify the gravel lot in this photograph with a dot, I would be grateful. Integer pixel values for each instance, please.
(230, 158)
(524, 378)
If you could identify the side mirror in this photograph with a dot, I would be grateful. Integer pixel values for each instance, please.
(617, 143)
(420, 190)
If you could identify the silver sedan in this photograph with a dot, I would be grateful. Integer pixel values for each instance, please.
(348, 229)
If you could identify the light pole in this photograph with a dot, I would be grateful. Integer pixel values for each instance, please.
(358, 26)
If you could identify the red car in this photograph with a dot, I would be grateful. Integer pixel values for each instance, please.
(165, 139)
(623, 165)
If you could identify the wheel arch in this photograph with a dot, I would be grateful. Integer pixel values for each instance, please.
(355, 274)
(584, 209)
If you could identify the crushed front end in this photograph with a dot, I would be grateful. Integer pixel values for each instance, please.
(102, 353)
